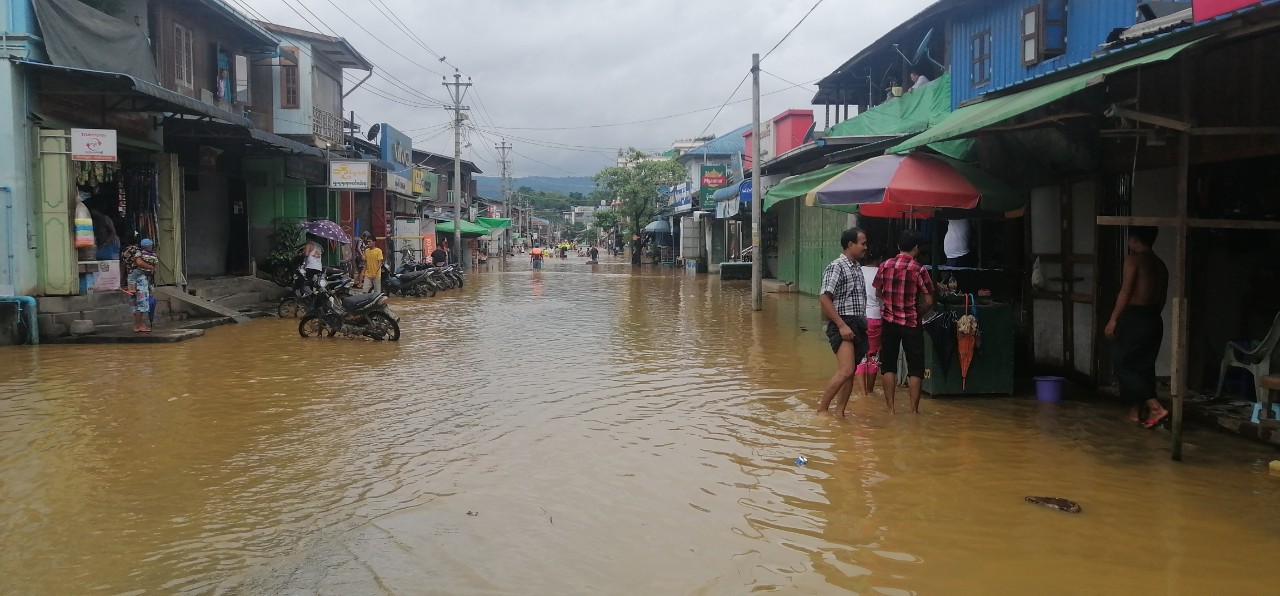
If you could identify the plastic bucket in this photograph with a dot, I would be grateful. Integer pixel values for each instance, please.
(1049, 389)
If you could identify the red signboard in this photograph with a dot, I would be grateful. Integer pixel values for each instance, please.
(1203, 10)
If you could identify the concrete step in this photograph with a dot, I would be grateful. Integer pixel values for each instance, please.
(240, 299)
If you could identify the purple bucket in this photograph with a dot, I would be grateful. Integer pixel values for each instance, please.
(1049, 389)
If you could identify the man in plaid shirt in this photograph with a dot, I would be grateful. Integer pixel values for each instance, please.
(843, 299)
(898, 282)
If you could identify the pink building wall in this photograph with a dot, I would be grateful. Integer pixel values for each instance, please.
(788, 133)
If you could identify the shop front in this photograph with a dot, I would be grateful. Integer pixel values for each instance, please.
(132, 191)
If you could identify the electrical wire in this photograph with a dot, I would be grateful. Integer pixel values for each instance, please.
(379, 39)
(726, 102)
(793, 29)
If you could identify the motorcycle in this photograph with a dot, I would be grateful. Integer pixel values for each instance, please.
(305, 297)
(358, 315)
(408, 282)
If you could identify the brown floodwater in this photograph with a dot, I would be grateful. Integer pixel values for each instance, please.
(586, 430)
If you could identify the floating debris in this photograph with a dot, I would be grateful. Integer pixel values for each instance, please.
(802, 460)
(1056, 503)
(473, 513)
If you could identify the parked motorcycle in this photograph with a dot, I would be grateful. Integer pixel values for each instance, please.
(358, 315)
(409, 282)
(306, 297)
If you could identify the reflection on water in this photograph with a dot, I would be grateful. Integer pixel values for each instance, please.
(586, 430)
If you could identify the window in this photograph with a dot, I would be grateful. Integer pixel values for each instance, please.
(1044, 31)
(184, 60)
(980, 58)
(290, 85)
(242, 79)
(1031, 35)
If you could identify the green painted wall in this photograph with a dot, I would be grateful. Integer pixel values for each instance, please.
(270, 195)
(819, 243)
(58, 274)
(787, 240)
(808, 239)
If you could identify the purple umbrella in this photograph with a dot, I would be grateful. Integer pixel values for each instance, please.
(326, 229)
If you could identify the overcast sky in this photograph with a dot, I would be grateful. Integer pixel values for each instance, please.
(539, 64)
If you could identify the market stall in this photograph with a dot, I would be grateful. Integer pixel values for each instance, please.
(970, 334)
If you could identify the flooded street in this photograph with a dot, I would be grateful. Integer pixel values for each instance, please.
(584, 430)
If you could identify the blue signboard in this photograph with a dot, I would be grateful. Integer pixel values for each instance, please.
(397, 148)
(744, 191)
(680, 197)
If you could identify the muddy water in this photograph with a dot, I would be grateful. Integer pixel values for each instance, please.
(583, 430)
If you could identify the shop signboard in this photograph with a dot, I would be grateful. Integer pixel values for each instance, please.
(93, 144)
(714, 177)
(349, 175)
(1203, 10)
(425, 184)
(397, 149)
(680, 197)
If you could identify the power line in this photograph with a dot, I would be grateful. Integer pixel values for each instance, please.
(726, 102)
(380, 41)
(648, 120)
(793, 28)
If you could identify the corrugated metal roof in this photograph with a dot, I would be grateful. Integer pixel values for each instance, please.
(729, 144)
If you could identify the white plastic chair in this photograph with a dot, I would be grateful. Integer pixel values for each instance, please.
(1256, 360)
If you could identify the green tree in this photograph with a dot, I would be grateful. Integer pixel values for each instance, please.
(636, 185)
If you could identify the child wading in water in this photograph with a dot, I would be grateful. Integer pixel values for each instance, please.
(869, 368)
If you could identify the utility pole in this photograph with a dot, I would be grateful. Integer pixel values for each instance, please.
(757, 256)
(506, 192)
(457, 89)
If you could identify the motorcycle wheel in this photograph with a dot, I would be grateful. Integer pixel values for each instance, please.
(313, 326)
(383, 327)
(458, 280)
(290, 308)
(282, 274)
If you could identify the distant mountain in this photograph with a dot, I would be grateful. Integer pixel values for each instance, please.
(491, 186)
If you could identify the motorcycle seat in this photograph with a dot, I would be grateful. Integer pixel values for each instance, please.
(358, 301)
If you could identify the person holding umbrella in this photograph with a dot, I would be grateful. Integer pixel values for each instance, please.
(312, 253)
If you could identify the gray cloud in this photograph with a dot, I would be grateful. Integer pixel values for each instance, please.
(570, 63)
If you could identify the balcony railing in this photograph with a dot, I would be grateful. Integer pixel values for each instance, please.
(325, 125)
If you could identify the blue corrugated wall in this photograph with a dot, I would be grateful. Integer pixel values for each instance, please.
(1088, 24)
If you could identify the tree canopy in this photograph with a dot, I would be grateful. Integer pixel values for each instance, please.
(636, 185)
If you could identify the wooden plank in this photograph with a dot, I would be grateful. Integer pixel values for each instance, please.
(1126, 220)
(1233, 224)
(1235, 130)
(1161, 121)
(1056, 258)
(1063, 297)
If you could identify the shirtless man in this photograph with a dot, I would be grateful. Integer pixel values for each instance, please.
(1137, 328)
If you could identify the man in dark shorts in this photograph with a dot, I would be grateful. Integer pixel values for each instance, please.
(1137, 328)
(843, 299)
(898, 282)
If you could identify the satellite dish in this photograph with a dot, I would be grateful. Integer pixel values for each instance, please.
(922, 52)
(373, 132)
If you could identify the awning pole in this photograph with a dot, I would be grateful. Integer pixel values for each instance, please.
(1178, 366)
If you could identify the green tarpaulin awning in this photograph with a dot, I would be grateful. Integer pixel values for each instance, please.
(494, 223)
(446, 227)
(913, 112)
(981, 115)
(800, 185)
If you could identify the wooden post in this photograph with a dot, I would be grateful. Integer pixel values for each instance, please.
(1178, 351)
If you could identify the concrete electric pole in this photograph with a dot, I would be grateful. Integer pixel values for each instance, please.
(457, 89)
(506, 193)
(757, 190)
